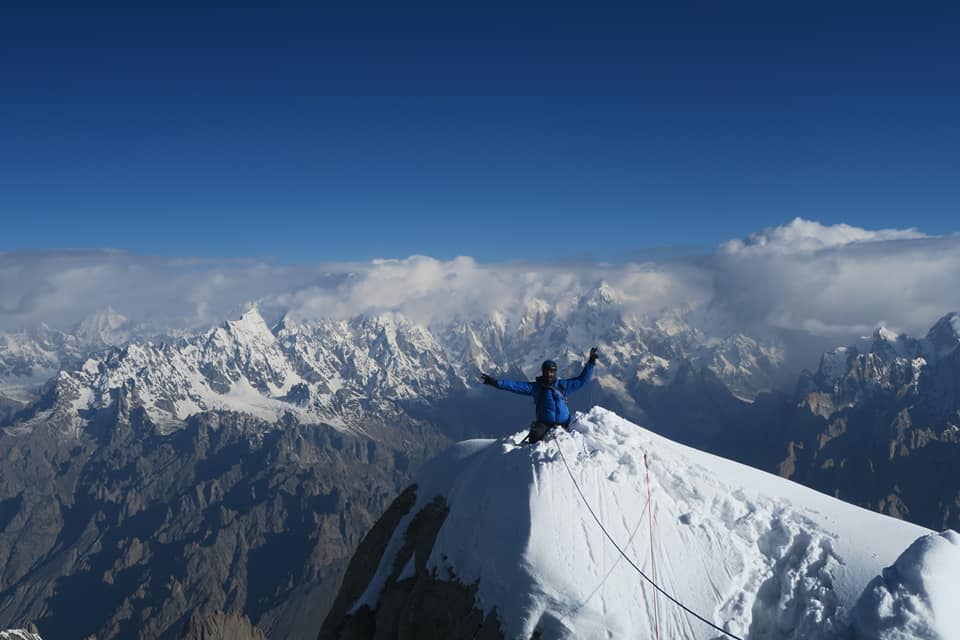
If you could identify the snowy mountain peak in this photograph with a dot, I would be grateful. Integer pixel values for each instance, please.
(287, 325)
(106, 328)
(889, 362)
(883, 334)
(530, 529)
(107, 319)
(603, 295)
(250, 326)
(945, 334)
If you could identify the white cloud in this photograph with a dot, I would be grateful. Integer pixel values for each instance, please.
(838, 281)
(808, 236)
(426, 289)
(61, 288)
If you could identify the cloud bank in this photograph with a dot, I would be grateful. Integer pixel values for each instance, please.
(838, 280)
(828, 280)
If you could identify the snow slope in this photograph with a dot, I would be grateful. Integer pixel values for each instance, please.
(755, 554)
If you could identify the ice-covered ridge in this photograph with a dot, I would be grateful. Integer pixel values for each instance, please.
(335, 373)
(316, 369)
(754, 553)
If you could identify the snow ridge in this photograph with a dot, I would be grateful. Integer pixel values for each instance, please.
(757, 555)
(886, 362)
(339, 371)
(331, 372)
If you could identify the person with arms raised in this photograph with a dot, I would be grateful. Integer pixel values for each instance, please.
(549, 394)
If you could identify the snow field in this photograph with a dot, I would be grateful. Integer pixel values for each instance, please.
(917, 597)
(755, 554)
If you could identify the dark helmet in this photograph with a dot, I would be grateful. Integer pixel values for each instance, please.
(548, 365)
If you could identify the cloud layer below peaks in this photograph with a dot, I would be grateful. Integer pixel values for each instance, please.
(829, 280)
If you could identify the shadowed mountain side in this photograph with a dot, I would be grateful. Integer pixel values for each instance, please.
(221, 626)
(414, 602)
(390, 591)
(126, 533)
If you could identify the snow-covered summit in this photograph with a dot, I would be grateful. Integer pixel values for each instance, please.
(324, 368)
(757, 555)
(335, 372)
(944, 336)
(886, 362)
(104, 328)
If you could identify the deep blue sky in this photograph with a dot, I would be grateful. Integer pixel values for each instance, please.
(305, 134)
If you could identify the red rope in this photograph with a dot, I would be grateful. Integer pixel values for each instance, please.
(633, 564)
(653, 561)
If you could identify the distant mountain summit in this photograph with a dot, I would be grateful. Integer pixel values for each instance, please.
(878, 424)
(944, 336)
(330, 372)
(340, 372)
(105, 328)
(500, 541)
(241, 437)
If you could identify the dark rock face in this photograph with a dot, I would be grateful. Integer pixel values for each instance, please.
(221, 626)
(123, 532)
(417, 607)
(364, 563)
(877, 426)
(894, 449)
(9, 408)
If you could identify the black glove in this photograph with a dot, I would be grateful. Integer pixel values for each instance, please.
(488, 380)
(593, 356)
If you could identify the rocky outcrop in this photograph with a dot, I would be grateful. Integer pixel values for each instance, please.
(29, 633)
(878, 424)
(414, 602)
(124, 531)
(221, 626)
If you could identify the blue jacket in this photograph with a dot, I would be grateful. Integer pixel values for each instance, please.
(551, 402)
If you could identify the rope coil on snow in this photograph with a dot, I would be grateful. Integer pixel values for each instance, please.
(632, 563)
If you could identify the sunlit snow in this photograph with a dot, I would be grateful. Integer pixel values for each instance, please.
(755, 554)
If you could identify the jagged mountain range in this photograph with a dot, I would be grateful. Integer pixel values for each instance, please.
(891, 391)
(879, 424)
(378, 394)
(30, 357)
(336, 372)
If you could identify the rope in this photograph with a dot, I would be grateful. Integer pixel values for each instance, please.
(610, 572)
(653, 560)
(632, 563)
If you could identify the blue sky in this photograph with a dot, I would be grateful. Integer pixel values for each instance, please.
(304, 134)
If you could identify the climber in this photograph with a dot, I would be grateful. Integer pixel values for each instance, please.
(549, 394)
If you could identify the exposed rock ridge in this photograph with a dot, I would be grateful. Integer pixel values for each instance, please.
(221, 626)
(414, 602)
(227, 513)
(878, 425)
